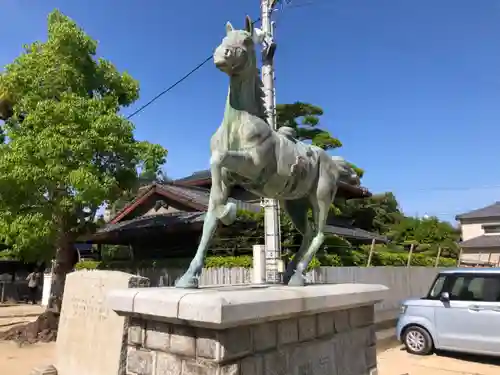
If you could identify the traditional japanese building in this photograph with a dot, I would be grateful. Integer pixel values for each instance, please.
(167, 218)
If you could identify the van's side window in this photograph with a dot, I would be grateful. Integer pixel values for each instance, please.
(438, 287)
(479, 288)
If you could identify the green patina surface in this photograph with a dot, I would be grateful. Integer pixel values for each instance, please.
(272, 164)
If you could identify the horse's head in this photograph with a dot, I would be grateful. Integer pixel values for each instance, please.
(236, 54)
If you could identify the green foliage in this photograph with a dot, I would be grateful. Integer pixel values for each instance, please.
(360, 172)
(68, 149)
(243, 261)
(378, 213)
(304, 118)
(427, 234)
(115, 252)
(87, 265)
(354, 259)
(239, 238)
(7, 254)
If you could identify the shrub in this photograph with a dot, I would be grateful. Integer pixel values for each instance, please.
(354, 258)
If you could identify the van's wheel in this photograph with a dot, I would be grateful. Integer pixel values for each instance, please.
(418, 341)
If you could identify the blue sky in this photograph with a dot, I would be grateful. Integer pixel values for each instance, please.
(411, 88)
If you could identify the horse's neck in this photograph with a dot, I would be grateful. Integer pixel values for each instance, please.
(242, 99)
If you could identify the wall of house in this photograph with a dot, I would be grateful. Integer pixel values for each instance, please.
(489, 255)
(473, 228)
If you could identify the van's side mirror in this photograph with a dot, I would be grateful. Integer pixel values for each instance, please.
(445, 297)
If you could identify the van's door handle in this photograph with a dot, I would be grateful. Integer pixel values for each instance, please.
(474, 308)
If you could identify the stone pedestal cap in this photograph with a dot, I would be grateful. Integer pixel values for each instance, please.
(223, 307)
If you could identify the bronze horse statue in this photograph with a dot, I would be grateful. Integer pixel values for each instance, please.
(245, 151)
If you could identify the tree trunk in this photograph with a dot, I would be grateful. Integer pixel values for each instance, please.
(65, 259)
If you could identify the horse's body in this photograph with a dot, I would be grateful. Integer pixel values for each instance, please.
(286, 172)
(247, 152)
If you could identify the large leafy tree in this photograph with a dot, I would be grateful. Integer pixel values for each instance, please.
(305, 119)
(426, 234)
(67, 149)
(378, 213)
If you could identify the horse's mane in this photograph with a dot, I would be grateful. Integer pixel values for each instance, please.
(259, 96)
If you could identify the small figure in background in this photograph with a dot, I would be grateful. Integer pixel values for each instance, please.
(33, 280)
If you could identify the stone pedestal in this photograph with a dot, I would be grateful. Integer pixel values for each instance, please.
(271, 330)
(91, 339)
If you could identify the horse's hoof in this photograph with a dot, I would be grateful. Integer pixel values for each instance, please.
(228, 216)
(297, 280)
(187, 282)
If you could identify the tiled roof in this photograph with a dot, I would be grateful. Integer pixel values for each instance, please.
(354, 233)
(151, 221)
(482, 241)
(193, 196)
(490, 211)
(180, 218)
(201, 196)
(200, 175)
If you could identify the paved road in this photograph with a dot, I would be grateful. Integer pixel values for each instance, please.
(19, 314)
(16, 360)
(396, 361)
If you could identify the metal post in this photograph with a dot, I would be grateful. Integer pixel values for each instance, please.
(271, 209)
(372, 247)
(408, 264)
(437, 258)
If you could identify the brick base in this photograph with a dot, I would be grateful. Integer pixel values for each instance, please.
(339, 342)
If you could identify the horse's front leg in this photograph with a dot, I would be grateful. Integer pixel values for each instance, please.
(218, 208)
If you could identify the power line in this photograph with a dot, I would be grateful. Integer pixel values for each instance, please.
(179, 81)
(184, 77)
(284, 5)
(439, 188)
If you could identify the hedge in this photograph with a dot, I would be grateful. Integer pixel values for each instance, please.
(352, 258)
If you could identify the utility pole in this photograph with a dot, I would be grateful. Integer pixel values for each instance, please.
(271, 206)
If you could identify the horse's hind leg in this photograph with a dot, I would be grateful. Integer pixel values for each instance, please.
(297, 211)
(320, 202)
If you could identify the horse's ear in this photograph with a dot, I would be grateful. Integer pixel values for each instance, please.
(229, 27)
(249, 25)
